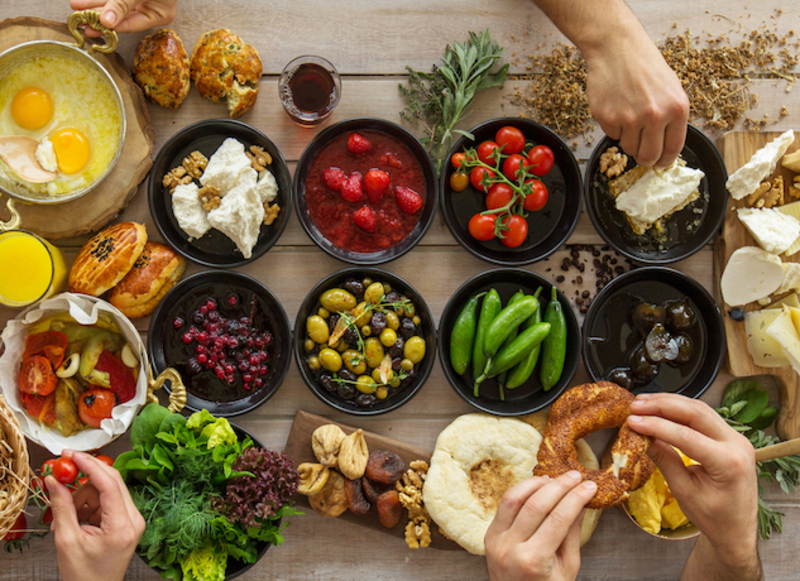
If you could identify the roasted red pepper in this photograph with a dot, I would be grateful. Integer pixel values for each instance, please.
(123, 384)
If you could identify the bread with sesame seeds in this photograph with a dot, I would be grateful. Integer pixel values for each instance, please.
(107, 258)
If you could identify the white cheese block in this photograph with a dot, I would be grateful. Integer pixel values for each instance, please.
(792, 210)
(267, 187)
(773, 230)
(46, 155)
(765, 350)
(658, 192)
(747, 178)
(791, 278)
(751, 274)
(789, 300)
(239, 217)
(228, 167)
(189, 212)
(784, 331)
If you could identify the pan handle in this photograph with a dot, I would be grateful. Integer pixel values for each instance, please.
(92, 18)
(14, 222)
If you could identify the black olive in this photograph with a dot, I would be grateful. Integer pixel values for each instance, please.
(326, 381)
(396, 350)
(659, 345)
(332, 322)
(646, 315)
(396, 363)
(407, 328)
(347, 375)
(366, 400)
(350, 336)
(409, 377)
(642, 369)
(737, 314)
(680, 316)
(354, 287)
(685, 349)
(622, 376)
(392, 297)
(377, 323)
(345, 390)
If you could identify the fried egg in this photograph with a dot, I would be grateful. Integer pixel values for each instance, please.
(32, 108)
(72, 150)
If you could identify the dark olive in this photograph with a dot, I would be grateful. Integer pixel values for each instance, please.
(410, 377)
(347, 375)
(193, 366)
(354, 287)
(334, 318)
(326, 381)
(345, 390)
(622, 376)
(396, 363)
(396, 350)
(680, 316)
(642, 369)
(737, 314)
(659, 345)
(392, 297)
(646, 315)
(350, 336)
(366, 400)
(377, 323)
(685, 349)
(407, 328)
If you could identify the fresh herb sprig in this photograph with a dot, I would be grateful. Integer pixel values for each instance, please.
(440, 99)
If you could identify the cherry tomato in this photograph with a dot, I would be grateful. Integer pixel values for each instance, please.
(34, 344)
(482, 227)
(40, 407)
(95, 405)
(36, 376)
(65, 471)
(457, 159)
(105, 459)
(47, 467)
(18, 529)
(476, 177)
(81, 481)
(486, 152)
(47, 517)
(542, 159)
(512, 138)
(517, 231)
(499, 195)
(459, 181)
(513, 164)
(536, 200)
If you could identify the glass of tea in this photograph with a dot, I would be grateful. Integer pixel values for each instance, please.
(310, 89)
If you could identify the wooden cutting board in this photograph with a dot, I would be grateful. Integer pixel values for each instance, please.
(736, 148)
(97, 208)
(298, 448)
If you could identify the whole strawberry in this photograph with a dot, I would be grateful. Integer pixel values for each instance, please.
(376, 184)
(365, 219)
(333, 178)
(408, 200)
(357, 144)
(353, 188)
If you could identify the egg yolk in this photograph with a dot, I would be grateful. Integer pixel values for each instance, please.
(32, 108)
(72, 150)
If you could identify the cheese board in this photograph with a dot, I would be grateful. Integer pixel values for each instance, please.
(737, 147)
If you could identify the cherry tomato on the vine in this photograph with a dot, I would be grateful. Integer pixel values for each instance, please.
(513, 164)
(542, 159)
(499, 195)
(65, 471)
(105, 459)
(536, 200)
(459, 181)
(486, 152)
(482, 227)
(18, 529)
(47, 467)
(457, 159)
(476, 177)
(81, 481)
(512, 138)
(47, 517)
(517, 231)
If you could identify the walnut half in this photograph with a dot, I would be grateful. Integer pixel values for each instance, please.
(271, 213)
(209, 197)
(259, 159)
(195, 164)
(176, 177)
(767, 195)
(613, 162)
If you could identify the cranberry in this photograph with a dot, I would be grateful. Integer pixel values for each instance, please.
(267, 340)
(243, 367)
(262, 356)
(232, 327)
(220, 372)
(229, 379)
(177, 323)
(262, 370)
(254, 360)
(200, 349)
(229, 369)
(233, 343)
(202, 358)
(213, 316)
(187, 338)
(233, 300)
(259, 382)
(258, 342)
(219, 343)
(247, 378)
(253, 369)
(203, 310)
(211, 305)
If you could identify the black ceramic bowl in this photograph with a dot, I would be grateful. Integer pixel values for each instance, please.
(310, 307)
(608, 336)
(308, 180)
(528, 397)
(204, 389)
(214, 249)
(548, 228)
(687, 231)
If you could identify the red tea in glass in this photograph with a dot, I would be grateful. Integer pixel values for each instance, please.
(309, 89)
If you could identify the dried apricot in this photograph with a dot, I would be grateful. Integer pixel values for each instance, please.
(385, 466)
(372, 490)
(355, 497)
(389, 508)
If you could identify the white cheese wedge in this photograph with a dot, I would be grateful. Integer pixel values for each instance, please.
(228, 167)
(773, 230)
(751, 274)
(791, 278)
(267, 187)
(46, 155)
(658, 192)
(791, 300)
(239, 217)
(747, 178)
(792, 210)
(784, 331)
(189, 212)
(765, 350)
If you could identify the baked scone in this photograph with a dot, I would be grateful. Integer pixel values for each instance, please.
(225, 67)
(154, 273)
(161, 68)
(107, 258)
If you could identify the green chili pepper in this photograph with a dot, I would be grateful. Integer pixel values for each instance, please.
(501, 379)
(523, 370)
(506, 321)
(554, 349)
(489, 308)
(462, 336)
(519, 348)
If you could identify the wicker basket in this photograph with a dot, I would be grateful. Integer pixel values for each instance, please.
(14, 469)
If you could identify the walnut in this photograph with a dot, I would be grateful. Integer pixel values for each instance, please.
(418, 535)
(420, 466)
(210, 197)
(259, 158)
(767, 195)
(794, 187)
(332, 499)
(312, 478)
(412, 478)
(271, 213)
(353, 455)
(613, 162)
(195, 163)
(176, 177)
(326, 441)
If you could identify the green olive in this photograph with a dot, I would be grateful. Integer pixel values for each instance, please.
(362, 315)
(376, 375)
(373, 351)
(354, 361)
(410, 309)
(337, 300)
(394, 381)
(323, 312)
(382, 392)
(374, 293)
(388, 337)
(309, 345)
(313, 363)
(399, 311)
(387, 288)
(406, 365)
(392, 320)
(342, 346)
(366, 330)
(330, 360)
(317, 329)
(335, 344)
(414, 349)
(364, 384)
(416, 320)
(366, 282)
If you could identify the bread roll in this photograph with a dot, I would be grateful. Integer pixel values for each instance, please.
(107, 258)
(161, 68)
(154, 273)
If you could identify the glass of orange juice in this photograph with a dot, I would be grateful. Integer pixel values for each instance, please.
(31, 269)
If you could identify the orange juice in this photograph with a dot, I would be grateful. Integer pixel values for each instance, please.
(31, 268)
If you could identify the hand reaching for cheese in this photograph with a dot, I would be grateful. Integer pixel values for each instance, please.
(129, 15)
(720, 495)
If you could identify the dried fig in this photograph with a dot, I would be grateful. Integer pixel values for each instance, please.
(385, 466)
(325, 441)
(389, 508)
(355, 497)
(312, 478)
(331, 500)
(372, 490)
(353, 455)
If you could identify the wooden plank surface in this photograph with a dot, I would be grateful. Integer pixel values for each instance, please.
(371, 43)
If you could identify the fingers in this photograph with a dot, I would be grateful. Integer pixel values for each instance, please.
(513, 500)
(683, 410)
(115, 12)
(674, 138)
(651, 144)
(630, 139)
(116, 506)
(671, 466)
(65, 517)
(570, 550)
(563, 516)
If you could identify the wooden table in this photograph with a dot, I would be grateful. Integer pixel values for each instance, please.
(371, 43)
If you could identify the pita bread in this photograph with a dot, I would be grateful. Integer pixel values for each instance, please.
(476, 460)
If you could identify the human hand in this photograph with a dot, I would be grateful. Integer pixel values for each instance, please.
(128, 15)
(536, 533)
(102, 548)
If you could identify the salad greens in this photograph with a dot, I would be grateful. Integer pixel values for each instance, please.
(181, 473)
